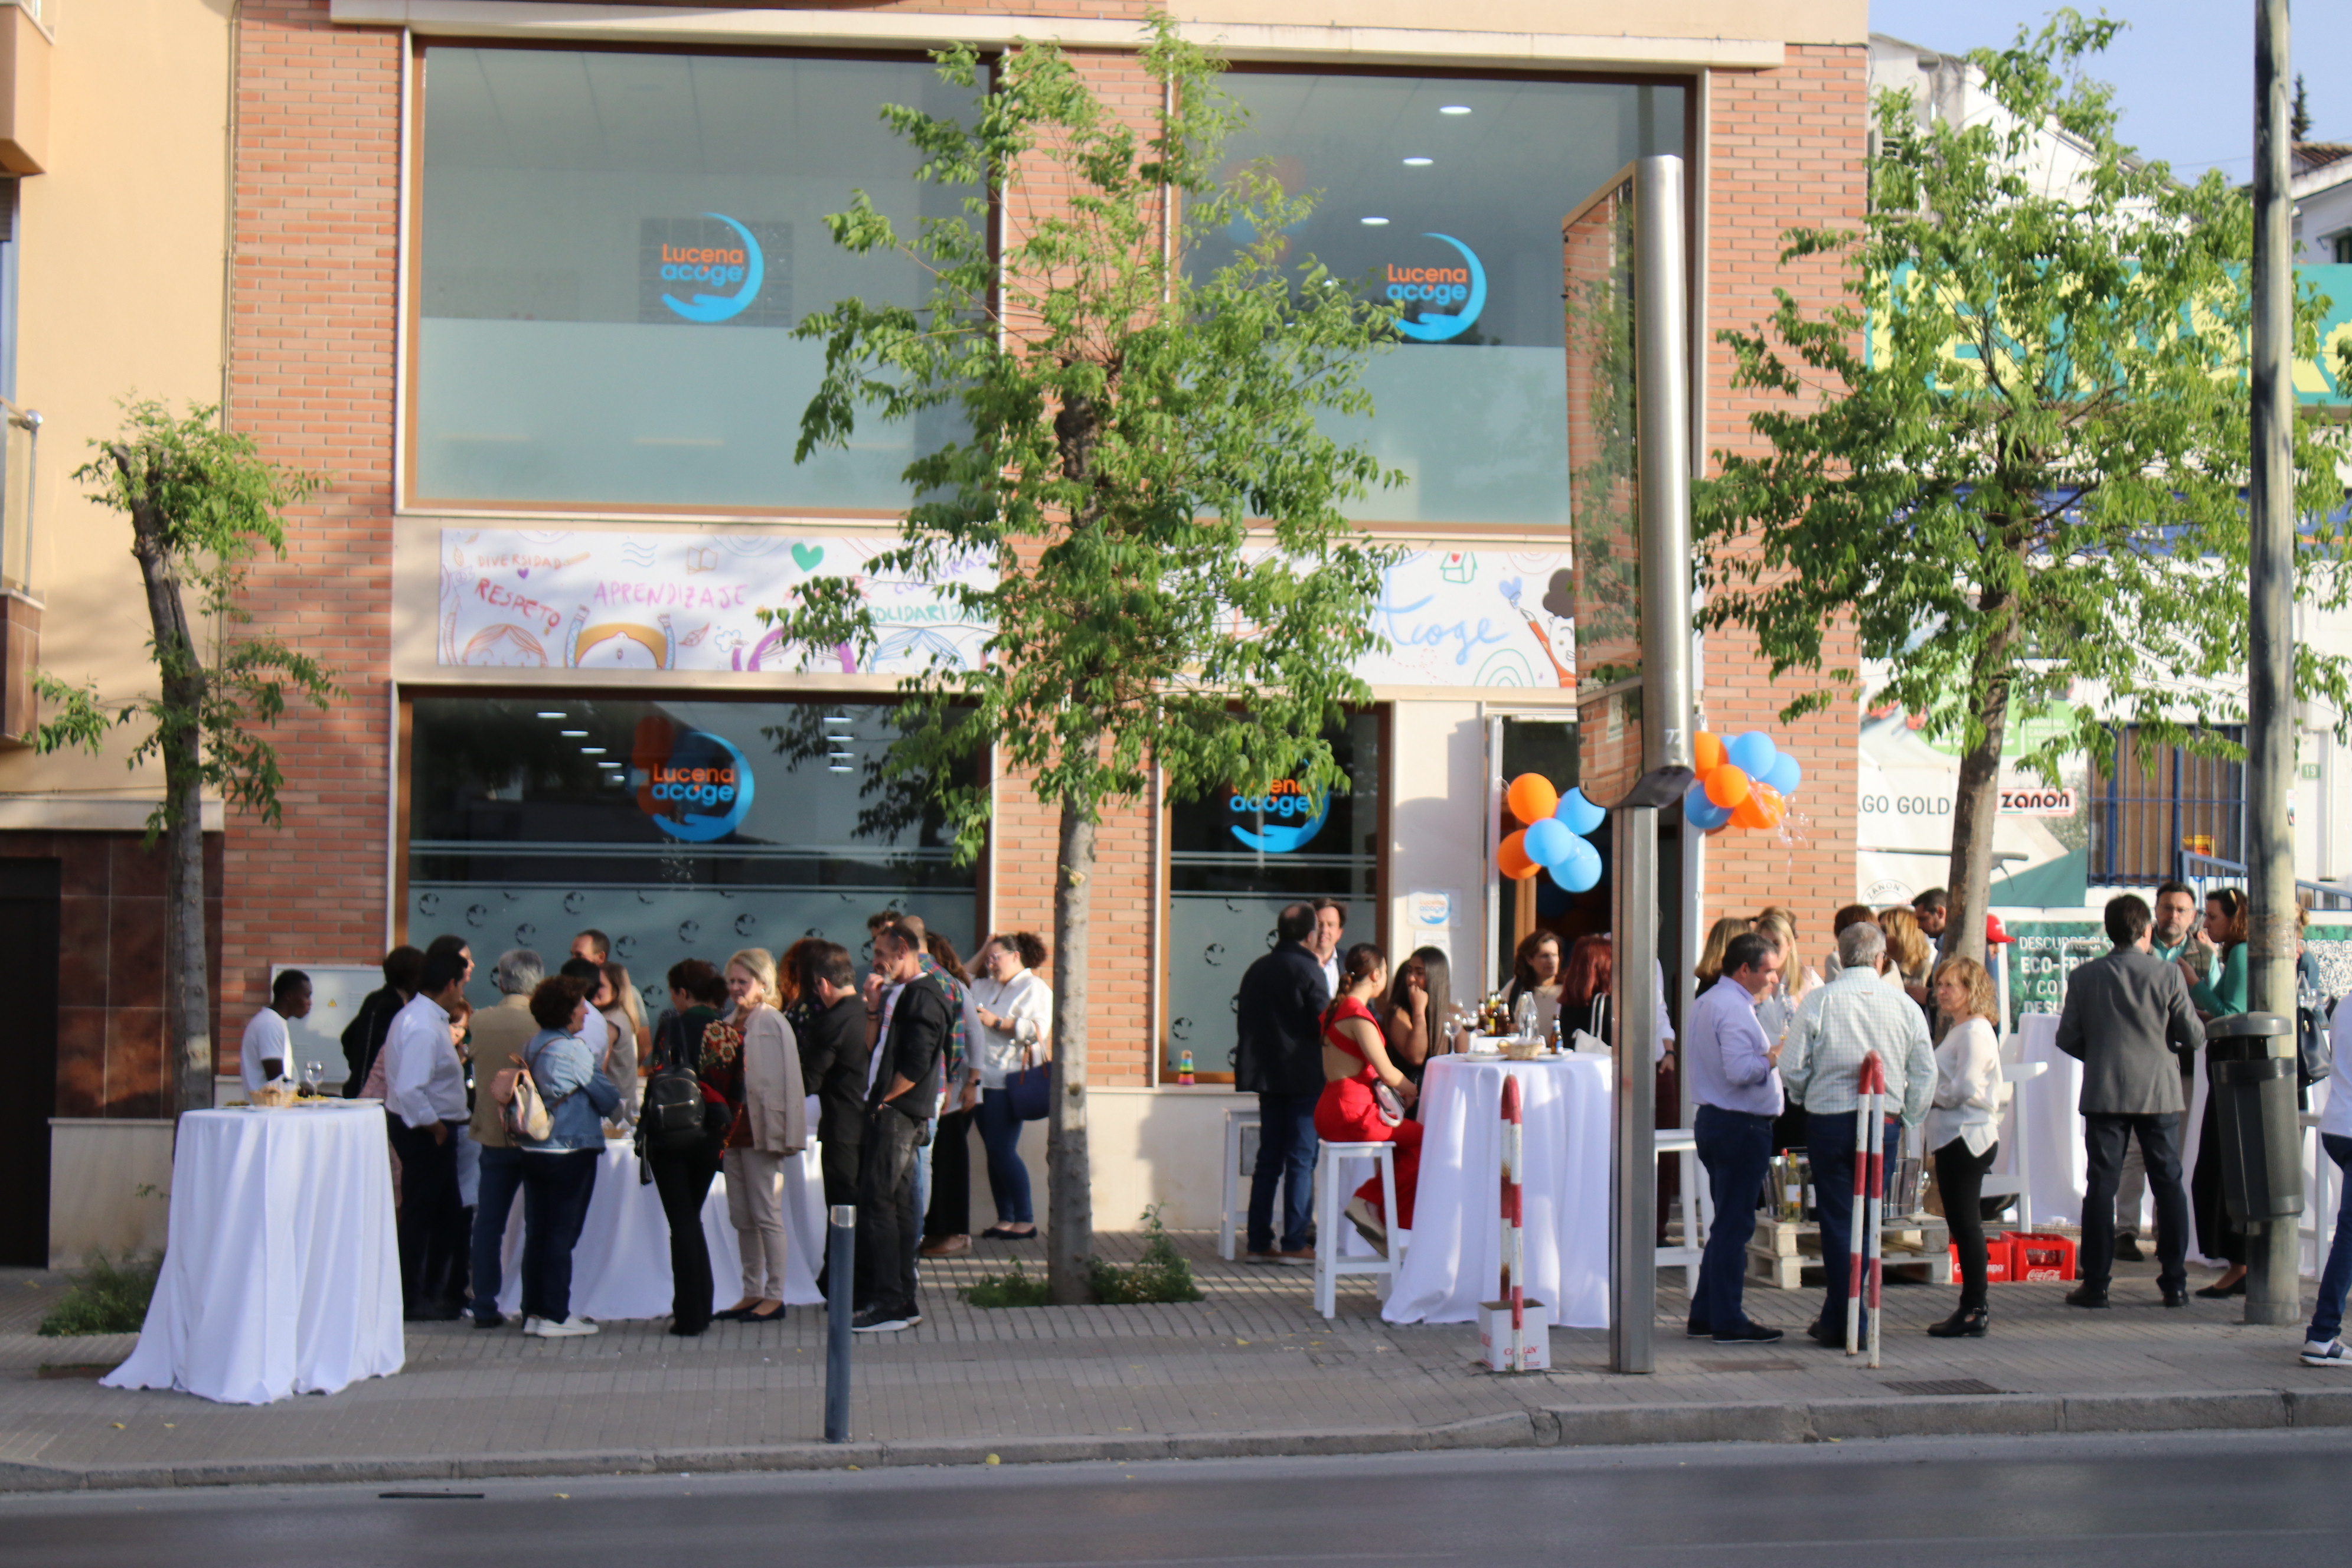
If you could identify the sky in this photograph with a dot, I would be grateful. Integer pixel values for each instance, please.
(2183, 70)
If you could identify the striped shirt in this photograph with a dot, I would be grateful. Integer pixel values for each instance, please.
(1842, 1021)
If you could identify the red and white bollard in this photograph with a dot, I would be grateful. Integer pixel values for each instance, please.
(1869, 1196)
(1503, 1322)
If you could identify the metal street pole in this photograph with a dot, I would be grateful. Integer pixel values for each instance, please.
(2273, 1287)
(1662, 393)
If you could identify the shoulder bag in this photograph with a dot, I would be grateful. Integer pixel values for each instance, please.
(672, 1120)
(524, 1114)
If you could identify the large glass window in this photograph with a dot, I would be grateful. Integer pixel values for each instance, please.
(610, 249)
(1447, 194)
(1234, 861)
(680, 830)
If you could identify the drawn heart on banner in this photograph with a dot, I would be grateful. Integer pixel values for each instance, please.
(808, 557)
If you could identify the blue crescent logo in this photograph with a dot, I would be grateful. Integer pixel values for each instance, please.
(1437, 328)
(1281, 840)
(709, 308)
(698, 828)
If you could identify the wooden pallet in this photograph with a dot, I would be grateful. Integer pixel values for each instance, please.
(1782, 1253)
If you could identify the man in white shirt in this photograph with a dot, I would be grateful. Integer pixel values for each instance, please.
(424, 1109)
(596, 1029)
(1331, 922)
(593, 945)
(267, 1050)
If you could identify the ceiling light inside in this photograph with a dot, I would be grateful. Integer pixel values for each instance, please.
(1373, 222)
(1454, 108)
(555, 715)
(573, 735)
(591, 750)
(1419, 163)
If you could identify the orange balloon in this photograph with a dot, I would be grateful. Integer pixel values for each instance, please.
(1749, 813)
(1706, 751)
(1531, 797)
(1512, 860)
(1726, 786)
(1771, 803)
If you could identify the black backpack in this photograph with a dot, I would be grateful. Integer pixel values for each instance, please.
(671, 1119)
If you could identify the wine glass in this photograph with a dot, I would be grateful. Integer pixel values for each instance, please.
(313, 1075)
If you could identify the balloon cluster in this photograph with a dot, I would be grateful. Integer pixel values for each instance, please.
(1742, 783)
(1557, 836)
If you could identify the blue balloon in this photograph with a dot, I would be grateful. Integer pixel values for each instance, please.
(1583, 817)
(1702, 813)
(1752, 753)
(1579, 873)
(1784, 774)
(1548, 842)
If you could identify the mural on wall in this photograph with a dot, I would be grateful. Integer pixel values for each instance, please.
(519, 599)
(2053, 944)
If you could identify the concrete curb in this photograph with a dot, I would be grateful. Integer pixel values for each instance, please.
(1575, 1426)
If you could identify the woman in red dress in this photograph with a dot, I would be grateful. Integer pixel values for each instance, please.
(1356, 1069)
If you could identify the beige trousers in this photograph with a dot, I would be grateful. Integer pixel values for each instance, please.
(755, 1207)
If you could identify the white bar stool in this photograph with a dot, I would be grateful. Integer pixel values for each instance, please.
(2019, 1181)
(1697, 1202)
(1332, 1226)
(1241, 1161)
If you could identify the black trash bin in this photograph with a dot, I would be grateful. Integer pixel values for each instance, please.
(2253, 1082)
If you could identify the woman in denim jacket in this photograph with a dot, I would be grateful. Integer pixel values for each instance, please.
(559, 1171)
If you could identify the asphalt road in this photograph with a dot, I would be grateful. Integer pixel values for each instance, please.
(2201, 1499)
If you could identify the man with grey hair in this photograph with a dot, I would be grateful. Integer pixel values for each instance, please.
(497, 1035)
(1836, 1026)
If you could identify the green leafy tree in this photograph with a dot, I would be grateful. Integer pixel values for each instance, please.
(202, 500)
(1167, 578)
(2011, 462)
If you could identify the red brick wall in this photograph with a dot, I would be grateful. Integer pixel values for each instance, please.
(1787, 150)
(312, 323)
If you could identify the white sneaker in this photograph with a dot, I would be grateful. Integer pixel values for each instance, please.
(2332, 1353)
(569, 1328)
(534, 1327)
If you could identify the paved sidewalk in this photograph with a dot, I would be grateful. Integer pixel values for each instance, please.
(1252, 1369)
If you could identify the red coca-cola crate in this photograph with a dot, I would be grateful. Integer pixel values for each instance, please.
(1999, 1257)
(2038, 1259)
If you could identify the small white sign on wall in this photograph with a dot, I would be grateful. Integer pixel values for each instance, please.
(336, 992)
(1429, 921)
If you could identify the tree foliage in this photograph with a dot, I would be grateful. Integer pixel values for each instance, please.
(1140, 466)
(2012, 462)
(203, 502)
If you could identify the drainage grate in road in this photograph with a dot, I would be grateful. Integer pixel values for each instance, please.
(1750, 1366)
(1941, 1385)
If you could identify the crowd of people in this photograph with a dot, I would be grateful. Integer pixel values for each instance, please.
(1774, 1050)
(887, 1072)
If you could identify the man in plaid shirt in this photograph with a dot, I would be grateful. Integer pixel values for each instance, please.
(1836, 1025)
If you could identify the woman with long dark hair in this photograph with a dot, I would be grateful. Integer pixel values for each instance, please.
(1366, 1094)
(1413, 1018)
(1535, 971)
(682, 1171)
(2216, 962)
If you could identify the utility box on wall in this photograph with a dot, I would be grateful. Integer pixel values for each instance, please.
(20, 655)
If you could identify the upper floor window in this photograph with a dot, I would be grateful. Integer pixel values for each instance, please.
(609, 248)
(1447, 194)
(2341, 246)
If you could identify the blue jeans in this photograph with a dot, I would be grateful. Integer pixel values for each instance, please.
(1285, 1154)
(500, 1179)
(2328, 1308)
(1828, 1143)
(1736, 1150)
(1008, 1178)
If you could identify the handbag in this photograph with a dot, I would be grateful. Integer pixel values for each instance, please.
(525, 1114)
(2314, 1043)
(1385, 1101)
(1031, 1089)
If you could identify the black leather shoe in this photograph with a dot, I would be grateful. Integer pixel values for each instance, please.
(2176, 1298)
(1750, 1334)
(492, 1319)
(2216, 1293)
(1967, 1323)
(1695, 1329)
(2086, 1296)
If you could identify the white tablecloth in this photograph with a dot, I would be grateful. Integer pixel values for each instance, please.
(1454, 1259)
(282, 1274)
(621, 1266)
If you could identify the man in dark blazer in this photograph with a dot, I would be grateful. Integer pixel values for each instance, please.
(900, 1101)
(834, 1055)
(1280, 1059)
(2128, 1020)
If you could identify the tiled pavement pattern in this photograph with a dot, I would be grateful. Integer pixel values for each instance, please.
(1252, 1358)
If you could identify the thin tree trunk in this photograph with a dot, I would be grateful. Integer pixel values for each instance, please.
(1069, 1173)
(187, 986)
(1976, 808)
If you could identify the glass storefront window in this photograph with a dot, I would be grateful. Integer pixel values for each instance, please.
(1233, 862)
(610, 249)
(680, 830)
(1447, 194)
